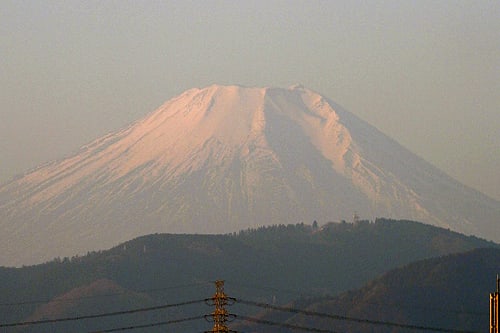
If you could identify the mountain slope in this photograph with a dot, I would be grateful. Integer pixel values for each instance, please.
(221, 159)
(450, 292)
(277, 263)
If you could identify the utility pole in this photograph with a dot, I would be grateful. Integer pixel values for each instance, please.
(220, 316)
(494, 309)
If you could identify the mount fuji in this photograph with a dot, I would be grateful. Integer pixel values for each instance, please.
(226, 158)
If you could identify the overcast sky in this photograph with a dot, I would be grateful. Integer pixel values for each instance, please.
(427, 73)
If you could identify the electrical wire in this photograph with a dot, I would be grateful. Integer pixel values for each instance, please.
(266, 288)
(237, 300)
(32, 302)
(353, 319)
(175, 321)
(100, 315)
(433, 309)
(301, 293)
(379, 304)
(284, 325)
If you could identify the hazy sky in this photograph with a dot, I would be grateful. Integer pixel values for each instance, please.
(427, 73)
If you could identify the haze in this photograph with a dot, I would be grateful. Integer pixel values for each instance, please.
(426, 73)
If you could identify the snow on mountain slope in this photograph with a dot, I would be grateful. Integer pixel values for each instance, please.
(224, 158)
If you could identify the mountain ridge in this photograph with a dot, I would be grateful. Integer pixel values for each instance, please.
(279, 262)
(224, 158)
(422, 293)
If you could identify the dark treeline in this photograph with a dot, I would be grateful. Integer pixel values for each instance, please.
(277, 263)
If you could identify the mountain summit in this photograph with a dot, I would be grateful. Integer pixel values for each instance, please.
(223, 158)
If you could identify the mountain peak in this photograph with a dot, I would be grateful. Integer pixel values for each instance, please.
(225, 158)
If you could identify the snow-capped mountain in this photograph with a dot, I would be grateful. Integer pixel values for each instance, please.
(224, 158)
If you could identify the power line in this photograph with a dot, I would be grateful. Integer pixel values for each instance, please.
(413, 307)
(103, 295)
(272, 323)
(301, 293)
(175, 321)
(434, 309)
(353, 319)
(242, 301)
(100, 315)
(256, 320)
(265, 288)
(431, 308)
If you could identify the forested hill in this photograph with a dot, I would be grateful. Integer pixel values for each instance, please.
(447, 294)
(278, 263)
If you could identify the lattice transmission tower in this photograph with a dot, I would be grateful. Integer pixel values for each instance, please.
(494, 303)
(220, 316)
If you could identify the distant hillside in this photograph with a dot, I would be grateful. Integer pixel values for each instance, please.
(450, 292)
(278, 263)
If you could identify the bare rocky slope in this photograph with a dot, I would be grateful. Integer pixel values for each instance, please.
(225, 158)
